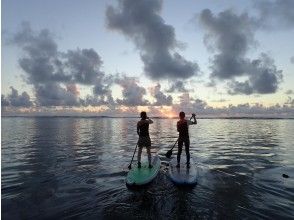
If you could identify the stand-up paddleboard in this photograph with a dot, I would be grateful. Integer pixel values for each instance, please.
(140, 176)
(182, 175)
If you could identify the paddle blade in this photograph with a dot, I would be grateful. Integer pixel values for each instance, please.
(169, 153)
(130, 166)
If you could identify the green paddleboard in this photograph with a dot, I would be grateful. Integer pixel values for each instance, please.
(140, 176)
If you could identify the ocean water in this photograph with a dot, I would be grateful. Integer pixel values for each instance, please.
(64, 168)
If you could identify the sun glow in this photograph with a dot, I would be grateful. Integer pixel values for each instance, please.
(167, 112)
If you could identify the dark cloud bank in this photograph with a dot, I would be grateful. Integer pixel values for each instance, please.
(55, 75)
(16, 100)
(187, 104)
(231, 36)
(190, 105)
(140, 21)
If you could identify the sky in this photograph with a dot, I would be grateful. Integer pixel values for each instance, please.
(117, 58)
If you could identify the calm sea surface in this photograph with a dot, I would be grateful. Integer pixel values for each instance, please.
(62, 168)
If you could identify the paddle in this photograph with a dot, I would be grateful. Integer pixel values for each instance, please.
(130, 166)
(170, 152)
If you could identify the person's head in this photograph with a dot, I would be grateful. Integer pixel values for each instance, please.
(143, 115)
(182, 115)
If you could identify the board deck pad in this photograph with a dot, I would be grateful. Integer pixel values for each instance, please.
(182, 175)
(140, 176)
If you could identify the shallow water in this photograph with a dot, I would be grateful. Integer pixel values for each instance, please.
(61, 168)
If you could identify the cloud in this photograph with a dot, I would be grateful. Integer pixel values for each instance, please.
(292, 59)
(290, 102)
(4, 101)
(55, 74)
(84, 66)
(35, 44)
(277, 13)
(98, 100)
(73, 88)
(289, 92)
(260, 110)
(200, 107)
(102, 94)
(190, 105)
(140, 21)
(43, 62)
(52, 94)
(264, 78)
(232, 36)
(15, 100)
(40, 62)
(161, 98)
(220, 100)
(132, 93)
(187, 104)
(177, 86)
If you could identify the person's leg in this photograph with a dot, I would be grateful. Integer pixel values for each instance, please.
(180, 146)
(187, 146)
(139, 155)
(149, 156)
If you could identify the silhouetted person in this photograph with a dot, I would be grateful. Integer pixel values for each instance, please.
(144, 139)
(183, 129)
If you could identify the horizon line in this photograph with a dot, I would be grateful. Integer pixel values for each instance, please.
(155, 117)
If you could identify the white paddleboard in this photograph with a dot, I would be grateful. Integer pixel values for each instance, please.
(182, 175)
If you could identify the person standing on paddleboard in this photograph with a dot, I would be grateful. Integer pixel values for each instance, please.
(144, 139)
(183, 129)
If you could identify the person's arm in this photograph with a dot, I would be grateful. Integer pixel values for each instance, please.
(149, 121)
(178, 129)
(194, 117)
(138, 129)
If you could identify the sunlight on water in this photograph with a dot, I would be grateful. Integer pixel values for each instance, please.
(76, 167)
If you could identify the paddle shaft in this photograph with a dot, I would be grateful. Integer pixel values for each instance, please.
(133, 155)
(175, 144)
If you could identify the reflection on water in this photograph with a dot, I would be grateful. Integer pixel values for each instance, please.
(76, 167)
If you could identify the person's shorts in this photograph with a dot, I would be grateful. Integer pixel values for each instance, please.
(183, 140)
(144, 142)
